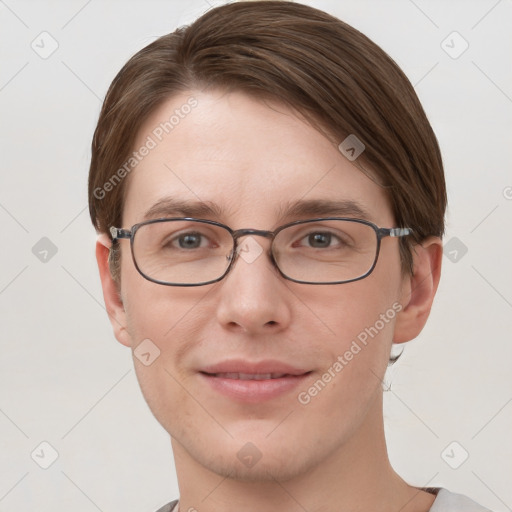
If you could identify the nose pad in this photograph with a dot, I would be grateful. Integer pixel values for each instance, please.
(249, 250)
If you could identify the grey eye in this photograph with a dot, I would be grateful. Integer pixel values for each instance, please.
(190, 241)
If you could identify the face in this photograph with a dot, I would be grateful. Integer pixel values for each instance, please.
(253, 159)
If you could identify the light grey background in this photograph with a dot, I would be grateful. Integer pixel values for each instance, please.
(65, 380)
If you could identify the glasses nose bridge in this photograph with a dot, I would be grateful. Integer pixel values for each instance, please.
(257, 232)
(239, 233)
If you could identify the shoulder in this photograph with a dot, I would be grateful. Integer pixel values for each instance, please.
(447, 501)
(169, 507)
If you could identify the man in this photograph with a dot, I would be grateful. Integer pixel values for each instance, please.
(270, 199)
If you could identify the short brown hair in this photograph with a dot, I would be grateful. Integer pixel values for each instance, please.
(329, 72)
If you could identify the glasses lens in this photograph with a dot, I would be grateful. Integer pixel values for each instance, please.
(326, 251)
(181, 251)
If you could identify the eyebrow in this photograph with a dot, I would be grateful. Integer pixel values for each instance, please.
(324, 208)
(172, 206)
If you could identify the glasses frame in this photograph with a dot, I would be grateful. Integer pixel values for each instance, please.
(380, 233)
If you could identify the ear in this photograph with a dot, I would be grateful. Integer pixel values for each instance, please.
(418, 290)
(111, 291)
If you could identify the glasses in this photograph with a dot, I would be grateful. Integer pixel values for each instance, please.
(192, 252)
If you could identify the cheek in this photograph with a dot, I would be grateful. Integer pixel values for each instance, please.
(351, 380)
(163, 323)
(152, 310)
(359, 320)
(359, 310)
(155, 348)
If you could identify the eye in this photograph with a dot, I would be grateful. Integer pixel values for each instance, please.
(319, 240)
(189, 240)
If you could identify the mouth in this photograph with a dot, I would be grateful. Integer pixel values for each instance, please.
(253, 387)
(251, 376)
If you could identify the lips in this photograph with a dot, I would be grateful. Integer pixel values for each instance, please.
(261, 370)
(252, 390)
(250, 376)
(253, 382)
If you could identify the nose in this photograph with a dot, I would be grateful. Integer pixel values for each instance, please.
(253, 296)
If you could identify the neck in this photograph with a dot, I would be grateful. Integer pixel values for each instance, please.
(357, 476)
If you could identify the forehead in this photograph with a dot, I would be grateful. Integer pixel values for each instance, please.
(242, 160)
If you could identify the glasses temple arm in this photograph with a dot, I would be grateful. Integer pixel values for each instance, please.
(396, 232)
(118, 233)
